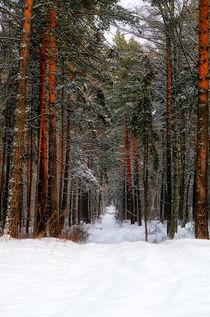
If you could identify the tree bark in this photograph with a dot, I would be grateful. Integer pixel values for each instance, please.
(67, 159)
(201, 213)
(41, 208)
(177, 174)
(145, 180)
(136, 182)
(53, 196)
(168, 134)
(62, 141)
(29, 175)
(19, 132)
(5, 139)
(128, 165)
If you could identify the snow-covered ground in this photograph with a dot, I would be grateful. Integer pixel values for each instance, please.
(105, 278)
(109, 231)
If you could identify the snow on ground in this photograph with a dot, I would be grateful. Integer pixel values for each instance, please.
(109, 231)
(52, 278)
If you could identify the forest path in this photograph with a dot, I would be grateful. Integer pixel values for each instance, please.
(108, 231)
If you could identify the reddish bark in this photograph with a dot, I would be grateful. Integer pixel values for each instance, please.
(53, 192)
(16, 176)
(136, 181)
(201, 213)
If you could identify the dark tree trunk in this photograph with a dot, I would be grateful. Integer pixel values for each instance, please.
(53, 195)
(168, 135)
(18, 145)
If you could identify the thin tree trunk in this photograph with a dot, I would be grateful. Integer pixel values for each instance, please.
(168, 134)
(183, 185)
(162, 199)
(76, 202)
(28, 167)
(128, 163)
(186, 213)
(18, 145)
(136, 182)
(177, 175)
(41, 207)
(195, 163)
(62, 141)
(9, 154)
(53, 197)
(125, 207)
(29, 181)
(85, 207)
(67, 160)
(145, 180)
(163, 185)
(3, 165)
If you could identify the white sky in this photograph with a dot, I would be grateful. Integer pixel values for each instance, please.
(129, 4)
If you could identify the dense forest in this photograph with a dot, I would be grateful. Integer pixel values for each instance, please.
(85, 122)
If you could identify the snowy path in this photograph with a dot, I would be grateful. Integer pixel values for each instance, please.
(51, 278)
(109, 231)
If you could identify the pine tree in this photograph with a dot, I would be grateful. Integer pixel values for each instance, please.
(16, 178)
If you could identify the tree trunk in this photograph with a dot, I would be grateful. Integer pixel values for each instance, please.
(5, 139)
(136, 182)
(53, 197)
(201, 213)
(67, 161)
(128, 165)
(195, 163)
(183, 163)
(145, 180)
(168, 134)
(41, 208)
(29, 175)
(186, 212)
(177, 175)
(163, 185)
(18, 145)
(62, 141)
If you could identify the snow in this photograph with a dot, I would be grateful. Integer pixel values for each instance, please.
(105, 277)
(109, 231)
(130, 4)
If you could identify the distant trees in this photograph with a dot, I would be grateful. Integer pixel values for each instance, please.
(132, 96)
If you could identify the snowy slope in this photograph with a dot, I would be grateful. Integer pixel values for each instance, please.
(47, 277)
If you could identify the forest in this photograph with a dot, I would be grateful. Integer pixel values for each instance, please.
(85, 122)
(104, 161)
